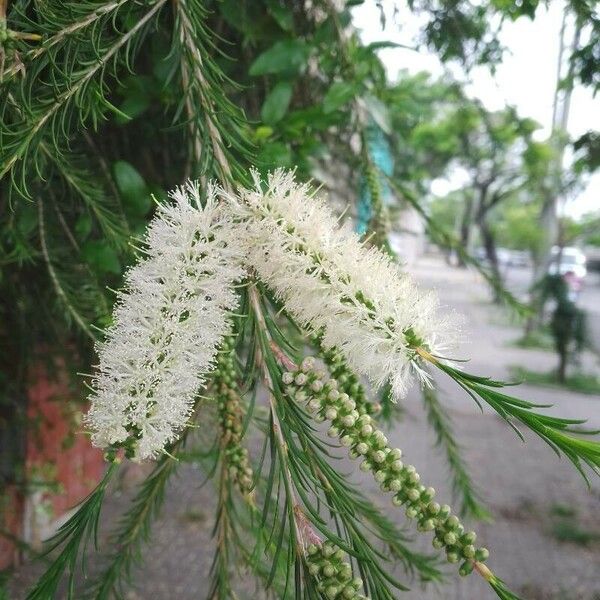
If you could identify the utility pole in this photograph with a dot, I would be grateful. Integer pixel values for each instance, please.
(549, 216)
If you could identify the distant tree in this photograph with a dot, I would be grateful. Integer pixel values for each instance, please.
(499, 156)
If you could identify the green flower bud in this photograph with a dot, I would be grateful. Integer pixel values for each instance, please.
(349, 404)
(428, 525)
(362, 448)
(427, 494)
(313, 405)
(357, 583)
(465, 569)
(396, 453)
(332, 591)
(469, 538)
(482, 554)
(329, 570)
(395, 485)
(380, 476)
(397, 466)
(412, 494)
(348, 420)
(433, 508)
(378, 456)
(452, 522)
(450, 539)
(348, 592)
(331, 414)
(300, 379)
(365, 466)
(468, 551)
(308, 364)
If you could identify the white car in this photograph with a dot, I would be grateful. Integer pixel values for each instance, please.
(569, 260)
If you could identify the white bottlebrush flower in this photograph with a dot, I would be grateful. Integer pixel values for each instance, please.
(332, 283)
(168, 325)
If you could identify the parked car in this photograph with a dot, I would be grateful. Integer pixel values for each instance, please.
(570, 264)
(568, 260)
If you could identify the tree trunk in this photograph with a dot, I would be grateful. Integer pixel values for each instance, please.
(562, 366)
(465, 230)
(489, 245)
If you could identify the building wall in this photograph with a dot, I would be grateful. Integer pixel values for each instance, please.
(61, 467)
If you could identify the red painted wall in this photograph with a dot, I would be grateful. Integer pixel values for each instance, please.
(61, 466)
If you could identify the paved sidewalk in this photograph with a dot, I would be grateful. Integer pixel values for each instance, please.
(524, 485)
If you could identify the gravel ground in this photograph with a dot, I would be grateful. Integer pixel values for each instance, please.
(524, 485)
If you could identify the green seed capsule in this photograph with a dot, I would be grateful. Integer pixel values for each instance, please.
(465, 569)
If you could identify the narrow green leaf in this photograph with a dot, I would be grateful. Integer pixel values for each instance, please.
(340, 93)
(277, 103)
(285, 56)
(134, 191)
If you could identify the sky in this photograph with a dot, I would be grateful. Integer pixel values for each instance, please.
(526, 78)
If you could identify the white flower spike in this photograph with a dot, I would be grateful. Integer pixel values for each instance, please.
(168, 326)
(335, 285)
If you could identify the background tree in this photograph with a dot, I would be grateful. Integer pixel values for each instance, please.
(499, 157)
(104, 104)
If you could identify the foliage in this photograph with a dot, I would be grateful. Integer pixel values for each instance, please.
(107, 103)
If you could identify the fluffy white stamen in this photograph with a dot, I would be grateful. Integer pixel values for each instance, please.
(168, 325)
(332, 283)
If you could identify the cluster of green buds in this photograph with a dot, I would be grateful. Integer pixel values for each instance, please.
(328, 566)
(347, 380)
(231, 418)
(359, 434)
